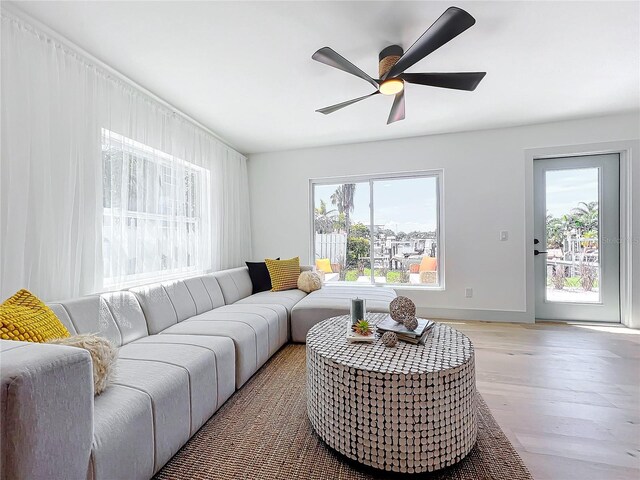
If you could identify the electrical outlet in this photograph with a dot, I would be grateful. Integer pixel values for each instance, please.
(504, 235)
(468, 292)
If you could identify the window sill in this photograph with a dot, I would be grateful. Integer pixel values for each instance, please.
(416, 287)
(148, 280)
(395, 286)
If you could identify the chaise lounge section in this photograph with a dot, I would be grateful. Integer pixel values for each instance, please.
(185, 347)
(334, 300)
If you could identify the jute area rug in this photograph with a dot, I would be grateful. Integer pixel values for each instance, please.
(263, 433)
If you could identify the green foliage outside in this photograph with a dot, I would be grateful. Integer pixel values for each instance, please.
(358, 244)
(359, 230)
(572, 282)
(357, 247)
(391, 276)
(582, 219)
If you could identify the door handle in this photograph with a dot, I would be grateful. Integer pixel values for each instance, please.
(538, 252)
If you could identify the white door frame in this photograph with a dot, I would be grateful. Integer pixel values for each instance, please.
(629, 150)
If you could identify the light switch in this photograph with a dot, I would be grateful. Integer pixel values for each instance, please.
(504, 235)
(468, 292)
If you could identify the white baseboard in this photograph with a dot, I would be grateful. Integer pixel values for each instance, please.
(481, 315)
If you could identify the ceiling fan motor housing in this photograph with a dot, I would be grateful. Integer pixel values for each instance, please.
(388, 58)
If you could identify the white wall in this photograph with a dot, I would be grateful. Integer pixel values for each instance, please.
(484, 192)
(633, 242)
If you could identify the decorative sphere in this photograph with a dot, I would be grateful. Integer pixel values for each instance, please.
(401, 308)
(309, 282)
(411, 323)
(389, 339)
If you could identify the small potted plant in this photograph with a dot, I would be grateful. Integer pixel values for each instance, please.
(362, 327)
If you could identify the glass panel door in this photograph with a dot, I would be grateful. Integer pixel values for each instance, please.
(576, 244)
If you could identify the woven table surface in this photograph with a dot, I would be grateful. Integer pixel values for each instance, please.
(444, 348)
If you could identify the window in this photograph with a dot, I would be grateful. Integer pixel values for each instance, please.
(379, 229)
(154, 213)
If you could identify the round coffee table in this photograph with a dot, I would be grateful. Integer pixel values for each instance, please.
(410, 408)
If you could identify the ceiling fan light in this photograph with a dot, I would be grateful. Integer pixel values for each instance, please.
(391, 86)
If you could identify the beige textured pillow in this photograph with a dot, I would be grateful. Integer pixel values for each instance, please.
(103, 356)
(309, 282)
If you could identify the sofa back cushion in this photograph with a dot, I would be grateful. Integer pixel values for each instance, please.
(181, 299)
(210, 282)
(63, 316)
(91, 314)
(127, 313)
(199, 294)
(165, 304)
(235, 284)
(157, 307)
(116, 316)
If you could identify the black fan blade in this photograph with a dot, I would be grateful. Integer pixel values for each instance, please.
(397, 109)
(458, 81)
(338, 106)
(451, 23)
(330, 57)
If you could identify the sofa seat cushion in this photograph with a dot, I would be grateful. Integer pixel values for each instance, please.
(260, 325)
(287, 298)
(123, 440)
(275, 315)
(249, 334)
(331, 301)
(225, 357)
(168, 388)
(200, 365)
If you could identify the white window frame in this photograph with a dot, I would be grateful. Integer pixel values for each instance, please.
(438, 174)
(162, 160)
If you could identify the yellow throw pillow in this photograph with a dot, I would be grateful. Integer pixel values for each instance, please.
(284, 273)
(324, 265)
(24, 317)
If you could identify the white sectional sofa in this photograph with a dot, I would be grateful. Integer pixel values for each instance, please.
(184, 348)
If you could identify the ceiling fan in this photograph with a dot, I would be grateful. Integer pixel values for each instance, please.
(393, 62)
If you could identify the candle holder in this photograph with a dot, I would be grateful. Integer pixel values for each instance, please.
(357, 310)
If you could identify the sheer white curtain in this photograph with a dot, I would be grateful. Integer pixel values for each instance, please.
(100, 185)
(232, 215)
(50, 167)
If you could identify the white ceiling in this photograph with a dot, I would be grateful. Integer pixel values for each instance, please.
(244, 69)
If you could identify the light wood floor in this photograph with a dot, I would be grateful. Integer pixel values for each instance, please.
(567, 396)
